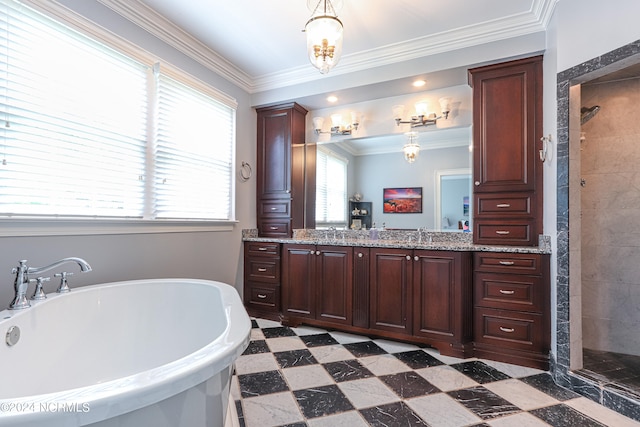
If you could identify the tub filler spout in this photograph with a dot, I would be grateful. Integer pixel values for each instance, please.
(21, 282)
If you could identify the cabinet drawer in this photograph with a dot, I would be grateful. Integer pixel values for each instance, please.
(503, 232)
(275, 208)
(263, 297)
(502, 262)
(503, 205)
(265, 249)
(508, 291)
(275, 228)
(263, 270)
(513, 329)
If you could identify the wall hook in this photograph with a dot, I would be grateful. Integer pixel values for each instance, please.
(245, 171)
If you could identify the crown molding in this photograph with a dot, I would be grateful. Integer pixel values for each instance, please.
(157, 25)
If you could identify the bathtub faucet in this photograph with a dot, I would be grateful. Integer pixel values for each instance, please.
(21, 282)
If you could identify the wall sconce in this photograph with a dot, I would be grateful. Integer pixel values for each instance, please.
(411, 148)
(337, 125)
(422, 116)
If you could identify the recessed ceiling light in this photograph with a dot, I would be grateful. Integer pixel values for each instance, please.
(419, 83)
(332, 98)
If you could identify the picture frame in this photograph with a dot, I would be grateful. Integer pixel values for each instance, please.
(356, 224)
(402, 200)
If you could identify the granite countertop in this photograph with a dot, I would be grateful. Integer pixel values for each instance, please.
(401, 239)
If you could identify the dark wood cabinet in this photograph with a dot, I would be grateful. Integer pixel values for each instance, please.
(390, 290)
(285, 171)
(262, 279)
(442, 298)
(511, 308)
(317, 283)
(507, 171)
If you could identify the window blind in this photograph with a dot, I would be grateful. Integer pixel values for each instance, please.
(331, 189)
(193, 153)
(74, 126)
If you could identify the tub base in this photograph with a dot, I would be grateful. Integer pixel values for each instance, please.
(205, 405)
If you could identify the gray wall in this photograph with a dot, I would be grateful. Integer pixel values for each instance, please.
(610, 203)
(207, 255)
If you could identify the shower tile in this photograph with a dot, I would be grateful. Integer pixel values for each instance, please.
(320, 401)
(418, 359)
(483, 402)
(391, 415)
(480, 371)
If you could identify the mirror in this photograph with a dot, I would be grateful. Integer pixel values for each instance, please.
(375, 163)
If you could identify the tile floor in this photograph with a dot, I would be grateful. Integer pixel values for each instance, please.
(616, 371)
(311, 377)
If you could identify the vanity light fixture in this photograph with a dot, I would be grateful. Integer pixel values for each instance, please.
(337, 125)
(324, 36)
(411, 148)
(422, 116)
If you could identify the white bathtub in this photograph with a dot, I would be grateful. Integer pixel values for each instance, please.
(137, 353)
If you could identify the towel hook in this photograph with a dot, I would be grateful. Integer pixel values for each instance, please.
(245, 171)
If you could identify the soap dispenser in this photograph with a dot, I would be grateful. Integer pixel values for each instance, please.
(373, 232)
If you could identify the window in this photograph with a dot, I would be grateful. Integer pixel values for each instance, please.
(88, 131)
(331, 189)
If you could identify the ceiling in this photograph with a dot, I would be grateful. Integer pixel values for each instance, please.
(260, 45)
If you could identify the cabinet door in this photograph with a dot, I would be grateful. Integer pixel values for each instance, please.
(390, 280)
(298, 280)
(274, 153)
(334, 284)
(506, 125)
(441, 294)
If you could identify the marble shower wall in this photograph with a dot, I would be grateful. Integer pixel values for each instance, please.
(610, 168)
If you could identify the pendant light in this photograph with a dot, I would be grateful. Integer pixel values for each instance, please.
(324, 37)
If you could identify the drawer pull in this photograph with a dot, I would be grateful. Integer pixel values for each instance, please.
(262, 269)
(507, 262)
(262, 296)
(273, 228)
(263, 249)
(507, 292)
(503, 205)
(274, 208)
(502, 232)
(508, 330)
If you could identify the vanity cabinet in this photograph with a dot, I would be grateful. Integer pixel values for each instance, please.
(507, 171)
(511, 308)
(317, 283)
(285, 171)
(262, 279)
(423, 294)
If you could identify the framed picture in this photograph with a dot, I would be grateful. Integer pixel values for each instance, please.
(356, 224)
(402, 200)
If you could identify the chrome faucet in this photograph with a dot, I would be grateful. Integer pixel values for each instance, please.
(21, 283)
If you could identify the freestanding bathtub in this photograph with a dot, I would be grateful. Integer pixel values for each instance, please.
(137, 353)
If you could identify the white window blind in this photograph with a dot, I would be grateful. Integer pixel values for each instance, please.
(331, 189)
(193, 154)
(74, 126)
(87, 131)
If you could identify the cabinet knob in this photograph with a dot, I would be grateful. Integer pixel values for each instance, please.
(477, 183)
(317, 252)
(416, 258)
(360, 255)
(312, 252)
(408, 257)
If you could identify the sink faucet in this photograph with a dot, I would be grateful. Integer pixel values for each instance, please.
(21, 282)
